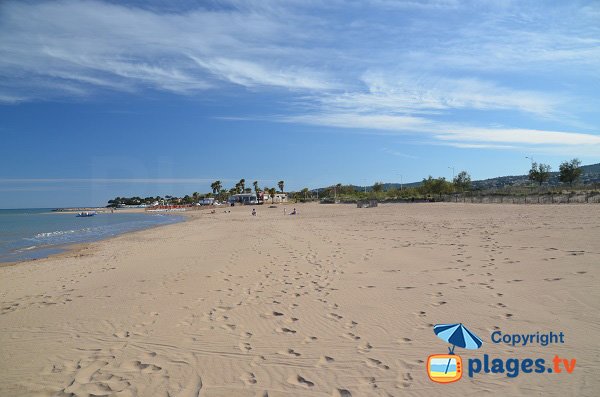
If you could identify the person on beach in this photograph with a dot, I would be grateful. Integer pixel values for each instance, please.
(284, 210)
(293, 212)
(253, 211)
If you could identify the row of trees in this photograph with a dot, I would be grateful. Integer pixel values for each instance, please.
(218, 192)
(569, 172)
(240, 187)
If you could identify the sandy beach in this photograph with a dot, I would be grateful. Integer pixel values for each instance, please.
(336, 301)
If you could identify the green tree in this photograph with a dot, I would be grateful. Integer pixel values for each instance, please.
(305, 192)
(272, 192)
(242, 184)
(256, 188)
(216, 186)
(222, 194)
(378, 187)
(570, 171)
(462, 181)
(437, 186)
(539, 173)
(280, 184)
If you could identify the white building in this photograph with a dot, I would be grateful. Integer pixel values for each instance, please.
(243, 198)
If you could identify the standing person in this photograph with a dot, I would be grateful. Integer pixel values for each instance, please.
(284, 211)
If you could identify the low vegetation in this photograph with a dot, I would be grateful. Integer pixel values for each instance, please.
(541, 182)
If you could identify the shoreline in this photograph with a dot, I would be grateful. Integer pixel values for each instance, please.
(69, 249)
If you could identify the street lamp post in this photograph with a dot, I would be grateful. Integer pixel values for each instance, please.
(400, 175)
(530, 158)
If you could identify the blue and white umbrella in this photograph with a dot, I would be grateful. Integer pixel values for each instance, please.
(457, 335)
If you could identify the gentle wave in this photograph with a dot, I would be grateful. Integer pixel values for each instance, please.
(22, 241)
(56, 233)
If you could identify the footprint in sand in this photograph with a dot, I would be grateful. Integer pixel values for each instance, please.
(284, 330)
(298, 380)
(248, 378)
(374, 363)
(122, 334)
(364, 347)
(341, 393)
(289, 353)
(245, 347)
(335, 316)
(406, 380)
(351, 336)
(324, 360)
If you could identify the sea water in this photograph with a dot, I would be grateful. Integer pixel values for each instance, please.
(36, 233)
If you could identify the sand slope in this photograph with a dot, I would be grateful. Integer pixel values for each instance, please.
(337, 301)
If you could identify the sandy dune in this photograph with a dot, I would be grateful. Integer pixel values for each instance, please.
(336, 301)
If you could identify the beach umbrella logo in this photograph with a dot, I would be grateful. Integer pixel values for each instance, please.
(447, 368)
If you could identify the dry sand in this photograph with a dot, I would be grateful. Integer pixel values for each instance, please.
(336, 301)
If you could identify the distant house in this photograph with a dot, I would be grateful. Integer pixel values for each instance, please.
(207, 201)
(243, 198)
(278, 198)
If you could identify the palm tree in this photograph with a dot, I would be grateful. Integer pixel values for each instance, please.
(242, 184)
(216, 186)
(280, 184)
(272, 192)
(256, 190)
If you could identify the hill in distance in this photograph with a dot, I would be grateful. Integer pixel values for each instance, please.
(590, 174)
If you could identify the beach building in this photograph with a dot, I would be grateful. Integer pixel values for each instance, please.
(243, 198)
(279, 198)
(207, 201)
(264, 197)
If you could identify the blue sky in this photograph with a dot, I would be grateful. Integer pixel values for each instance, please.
(107, 98)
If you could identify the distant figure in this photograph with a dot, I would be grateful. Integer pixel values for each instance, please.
(253, 211)
(284, 211)
(293, 212)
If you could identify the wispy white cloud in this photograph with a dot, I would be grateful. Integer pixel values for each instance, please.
(425, 93)
(251, 74)
(397, 153)
(392, 67)
(465, 136)
(515, 135)
(93, 45)
(382, 122)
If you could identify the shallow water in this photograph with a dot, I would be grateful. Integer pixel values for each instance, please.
(35, 233)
